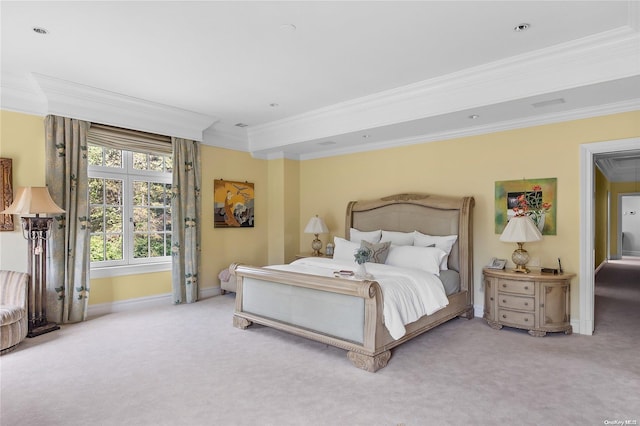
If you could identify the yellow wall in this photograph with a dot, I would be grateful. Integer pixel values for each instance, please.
(222, 246)
(471, 166)
(601, 218)
(22, 140)
(464, 166)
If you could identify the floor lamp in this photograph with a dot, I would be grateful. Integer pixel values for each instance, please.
(36, 230)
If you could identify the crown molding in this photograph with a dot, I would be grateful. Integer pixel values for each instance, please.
(75, 100)
(599, 58)
(540, 120)
(20, 94)
(225, 136)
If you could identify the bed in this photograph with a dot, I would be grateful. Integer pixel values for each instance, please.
(349, 313)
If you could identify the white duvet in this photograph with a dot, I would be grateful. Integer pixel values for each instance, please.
(408, 293)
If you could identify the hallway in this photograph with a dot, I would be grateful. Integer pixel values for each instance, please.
(617, 299)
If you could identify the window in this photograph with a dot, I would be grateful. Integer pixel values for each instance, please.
(129, 207)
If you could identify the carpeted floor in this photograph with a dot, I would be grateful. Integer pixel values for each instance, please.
(187, 365)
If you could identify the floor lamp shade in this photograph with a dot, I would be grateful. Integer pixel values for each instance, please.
(36, 200)
(316, 226)
(520, 230)
(33, 200)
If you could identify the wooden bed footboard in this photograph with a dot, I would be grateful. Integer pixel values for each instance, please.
(364, 354)
(371, 352)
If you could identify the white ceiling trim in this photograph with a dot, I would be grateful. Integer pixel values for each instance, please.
(225, 136)
(556, 117)
(75, 100)
(603, 57)
(21, 95)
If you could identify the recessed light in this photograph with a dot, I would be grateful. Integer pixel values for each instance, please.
(241, 125)
(40, 30)
(521, 27)
(366, 136)
(274, 105)
(474, 116)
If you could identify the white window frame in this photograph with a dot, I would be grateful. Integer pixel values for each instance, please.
(128, 265)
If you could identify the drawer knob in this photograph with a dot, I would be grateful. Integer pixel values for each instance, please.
(526, 303)
(504, 301)
(491, 298)
(504, 316)
(504, 286)
(526, 287)
(526, 319)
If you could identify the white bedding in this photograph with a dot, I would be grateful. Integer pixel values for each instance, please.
(408, 293)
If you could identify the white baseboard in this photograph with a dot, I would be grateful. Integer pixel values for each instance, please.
(143, 302)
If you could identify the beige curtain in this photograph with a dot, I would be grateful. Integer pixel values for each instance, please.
(185, 220)
(66, 177)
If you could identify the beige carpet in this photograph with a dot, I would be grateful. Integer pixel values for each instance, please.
(187, 365)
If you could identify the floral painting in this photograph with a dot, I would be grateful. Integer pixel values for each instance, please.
(233, 204)
(536, 198)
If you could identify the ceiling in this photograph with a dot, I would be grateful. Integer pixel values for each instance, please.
(310, 79)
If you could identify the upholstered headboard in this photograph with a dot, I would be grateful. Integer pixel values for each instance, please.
(429, 214)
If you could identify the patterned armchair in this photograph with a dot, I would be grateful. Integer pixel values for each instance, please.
(13, 309)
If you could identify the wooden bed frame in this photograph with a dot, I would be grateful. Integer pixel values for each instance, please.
(429, 214)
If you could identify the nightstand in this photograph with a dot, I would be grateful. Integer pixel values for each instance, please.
(303, 255)
(536, 302)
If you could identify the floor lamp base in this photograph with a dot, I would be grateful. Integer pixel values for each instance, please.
(46, 328)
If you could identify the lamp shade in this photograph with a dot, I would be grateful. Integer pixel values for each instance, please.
(520, 229)
(32, 200)
(316, 226)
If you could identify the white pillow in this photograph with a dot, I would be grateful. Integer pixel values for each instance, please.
(344, 249)
(357, 236)
(442, 242)
(397, 238)
(425, 258)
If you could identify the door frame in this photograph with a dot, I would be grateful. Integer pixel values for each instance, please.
(587, 224)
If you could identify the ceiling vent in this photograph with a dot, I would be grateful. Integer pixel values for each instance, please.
(543, 104)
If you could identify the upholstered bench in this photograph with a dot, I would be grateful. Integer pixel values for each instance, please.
(227, 281)
(13, 309)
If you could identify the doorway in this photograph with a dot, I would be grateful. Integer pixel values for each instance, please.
(588, 153)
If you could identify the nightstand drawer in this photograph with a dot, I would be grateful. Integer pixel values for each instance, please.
(516, 302)
(521, 319)
(518, 287)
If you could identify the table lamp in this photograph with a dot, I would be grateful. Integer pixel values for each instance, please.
(316, 226)
(520, 229)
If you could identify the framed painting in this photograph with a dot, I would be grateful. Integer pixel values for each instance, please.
(537, 198)
(6, 182)
(233, 204)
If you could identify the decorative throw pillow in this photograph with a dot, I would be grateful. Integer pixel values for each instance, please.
(378, 251)
(397, 238)
(356, 235)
